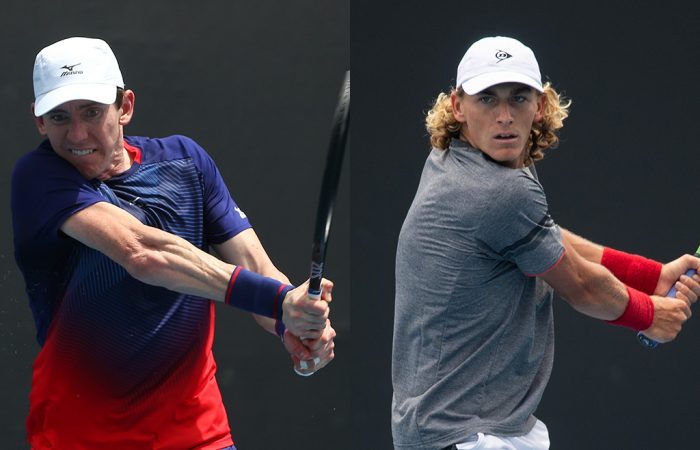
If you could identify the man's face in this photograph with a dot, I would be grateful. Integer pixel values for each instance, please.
(498, 120)
(89, 136)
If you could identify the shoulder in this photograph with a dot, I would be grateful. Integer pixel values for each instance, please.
(513, 194)
(514, 185)
(43, 166)
(167, 148)
(39, 157)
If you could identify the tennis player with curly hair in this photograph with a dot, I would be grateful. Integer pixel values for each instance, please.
(479, 258)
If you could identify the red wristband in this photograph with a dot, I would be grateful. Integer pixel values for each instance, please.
(639, 313)
(633, 270)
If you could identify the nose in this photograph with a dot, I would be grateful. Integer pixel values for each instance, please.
(504, 114)
(77, 131)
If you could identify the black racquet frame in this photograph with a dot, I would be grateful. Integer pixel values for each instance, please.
(329, 187)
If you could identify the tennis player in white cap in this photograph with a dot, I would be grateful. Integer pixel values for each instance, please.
(478, 256)
(112, 235)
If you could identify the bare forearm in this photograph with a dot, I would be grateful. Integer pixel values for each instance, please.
(587, 286)
(176, 264)
(149, 254)
(158, 258)
(588, 250)
(266, 323)
(171, 262)
(245, 249)
(593, 290)
(598, 294)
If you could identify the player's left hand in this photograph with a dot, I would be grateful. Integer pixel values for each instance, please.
(673, 273)
(311, 355)
(305, 317)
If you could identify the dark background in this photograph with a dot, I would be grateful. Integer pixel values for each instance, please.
(255, 83)
(625, 175)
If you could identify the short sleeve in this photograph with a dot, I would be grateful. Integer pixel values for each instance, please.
(46, 190)
(518, 227)
(223, 218)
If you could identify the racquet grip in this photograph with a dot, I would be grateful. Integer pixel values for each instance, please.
(648, 342)
(314, 294)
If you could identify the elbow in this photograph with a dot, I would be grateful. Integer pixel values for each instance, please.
(141, 264)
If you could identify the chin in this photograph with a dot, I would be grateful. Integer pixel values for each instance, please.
(509, 160)
(87, 172)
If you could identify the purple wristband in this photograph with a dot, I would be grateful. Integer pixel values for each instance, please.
(280, 329)
(255, 293)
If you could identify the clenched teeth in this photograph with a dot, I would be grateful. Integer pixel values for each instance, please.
(79, 152)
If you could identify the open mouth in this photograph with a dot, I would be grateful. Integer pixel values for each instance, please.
(505, 136)
(81, 152)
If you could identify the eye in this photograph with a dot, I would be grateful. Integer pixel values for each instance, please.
(92, 113)
(58, 117)
(519, 99)
(486, 99)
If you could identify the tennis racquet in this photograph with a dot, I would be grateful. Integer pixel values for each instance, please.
(329, 187)
(646, 341)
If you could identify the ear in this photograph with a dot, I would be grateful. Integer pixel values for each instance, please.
(127, 109)
(457, 110)
(38, 121)
(540, 108)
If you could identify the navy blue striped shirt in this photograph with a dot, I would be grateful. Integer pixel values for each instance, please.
(176, 188)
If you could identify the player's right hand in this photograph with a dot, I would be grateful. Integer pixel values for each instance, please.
(311, 355)
(673, 271)
(303, 316)
(669, 316)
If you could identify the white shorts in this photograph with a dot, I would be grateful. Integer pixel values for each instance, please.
(536, 439)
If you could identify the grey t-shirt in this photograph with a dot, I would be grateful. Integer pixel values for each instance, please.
(473, 327)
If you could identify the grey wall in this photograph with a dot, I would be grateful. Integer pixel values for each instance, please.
(624, 175)
(256, 84)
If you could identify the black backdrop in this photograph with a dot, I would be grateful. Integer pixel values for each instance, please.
(624, 175)
(255, 83)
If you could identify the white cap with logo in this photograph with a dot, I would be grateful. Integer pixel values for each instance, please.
(494, 60)
(76, 68)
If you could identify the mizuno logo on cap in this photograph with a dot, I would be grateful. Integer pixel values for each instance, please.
(70, 71)
(501, 55)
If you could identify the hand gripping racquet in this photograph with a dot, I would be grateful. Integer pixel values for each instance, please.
(648, 342)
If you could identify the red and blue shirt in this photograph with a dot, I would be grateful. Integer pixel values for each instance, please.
(123, 364)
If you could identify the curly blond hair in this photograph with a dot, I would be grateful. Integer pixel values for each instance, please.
(443, 127)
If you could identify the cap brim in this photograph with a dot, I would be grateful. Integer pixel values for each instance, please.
(100, 93)
(486, 80)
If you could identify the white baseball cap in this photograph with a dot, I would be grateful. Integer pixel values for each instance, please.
(494, 60)
(76, 68)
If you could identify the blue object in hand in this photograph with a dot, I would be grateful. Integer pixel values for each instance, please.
(648, 342)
